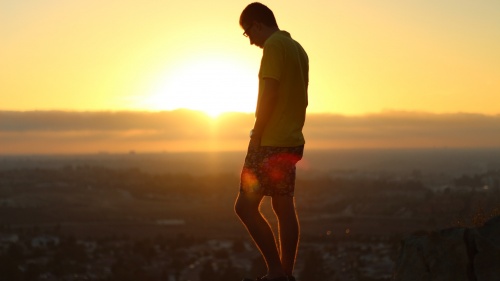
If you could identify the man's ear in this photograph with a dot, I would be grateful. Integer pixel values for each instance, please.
(258, 25)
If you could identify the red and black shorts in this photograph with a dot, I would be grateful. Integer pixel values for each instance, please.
(270, 170)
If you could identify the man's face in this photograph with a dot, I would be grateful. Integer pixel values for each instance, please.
(253, 32)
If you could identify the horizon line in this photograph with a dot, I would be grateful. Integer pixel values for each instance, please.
(381, 112)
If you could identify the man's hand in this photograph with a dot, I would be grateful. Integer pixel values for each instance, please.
(255, 140)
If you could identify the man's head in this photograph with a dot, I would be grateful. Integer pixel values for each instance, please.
(258, 23)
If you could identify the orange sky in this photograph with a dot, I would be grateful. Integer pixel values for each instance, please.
(365, 56)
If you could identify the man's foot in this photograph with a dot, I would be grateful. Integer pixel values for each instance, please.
(264, 278)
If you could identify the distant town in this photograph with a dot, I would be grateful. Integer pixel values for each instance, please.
(134, 217)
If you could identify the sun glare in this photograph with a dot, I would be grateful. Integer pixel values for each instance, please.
(213, 86)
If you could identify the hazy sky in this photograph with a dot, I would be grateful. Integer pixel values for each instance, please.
(181, 130)
(365, 56)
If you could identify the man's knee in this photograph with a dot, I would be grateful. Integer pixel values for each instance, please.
(246, 206)
(239, 208)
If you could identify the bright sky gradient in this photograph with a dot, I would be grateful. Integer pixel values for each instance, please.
(365, 56)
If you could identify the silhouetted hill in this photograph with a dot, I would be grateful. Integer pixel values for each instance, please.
(459, 254)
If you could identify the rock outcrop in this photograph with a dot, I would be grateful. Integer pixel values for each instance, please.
(458, 254)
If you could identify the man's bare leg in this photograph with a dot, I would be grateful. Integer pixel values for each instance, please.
(247, 209)
(288, 225)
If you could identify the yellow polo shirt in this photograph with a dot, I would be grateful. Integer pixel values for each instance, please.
(286, 61)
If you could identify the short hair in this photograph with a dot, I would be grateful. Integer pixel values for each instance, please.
(258, 12)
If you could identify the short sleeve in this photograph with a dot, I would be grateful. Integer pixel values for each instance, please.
(273, 60)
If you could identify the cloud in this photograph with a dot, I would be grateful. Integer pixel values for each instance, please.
(95, 121)
(183, 130)
(406, 130)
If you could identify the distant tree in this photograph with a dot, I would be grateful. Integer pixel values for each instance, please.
(57, 228)
(468, 181)
(221, 254)
(9, 270)
(32, 272)
(146, 249)
(481, 216)
(9, 263)
(207, 271)
(227, 273)
(15, 252)
(314, 267)
(238, 246)
(178, 264)
(129, 272)
(257, 268)
(164, 275)
(69, 249)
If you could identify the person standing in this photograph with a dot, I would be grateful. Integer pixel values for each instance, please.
(276, 142)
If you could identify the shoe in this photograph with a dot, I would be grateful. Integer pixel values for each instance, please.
(282, 278)
(291, 278)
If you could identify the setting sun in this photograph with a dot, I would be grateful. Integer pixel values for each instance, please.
(365, 56)
(213, 85)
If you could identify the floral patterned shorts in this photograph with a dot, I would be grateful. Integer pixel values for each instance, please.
(270, 170)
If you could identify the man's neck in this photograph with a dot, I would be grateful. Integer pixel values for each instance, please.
(270, 31)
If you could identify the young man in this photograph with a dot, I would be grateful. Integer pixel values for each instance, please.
(276, 141)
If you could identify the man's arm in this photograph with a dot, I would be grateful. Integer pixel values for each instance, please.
(266, 108)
